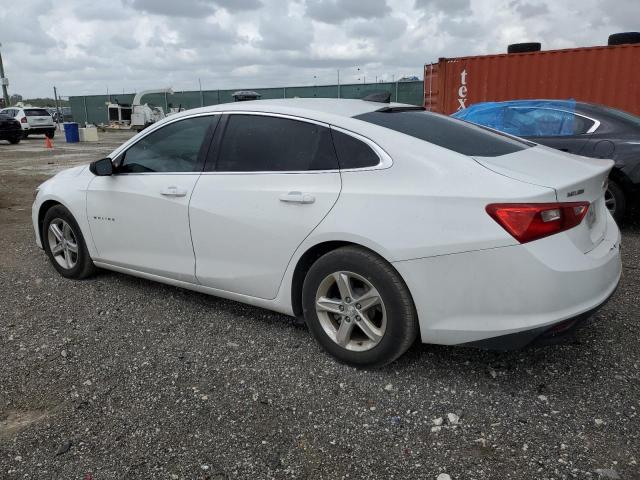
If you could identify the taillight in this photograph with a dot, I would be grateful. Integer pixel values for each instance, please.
(531, 221)
(23, 120)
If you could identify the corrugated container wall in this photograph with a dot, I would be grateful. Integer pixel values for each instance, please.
(605, 75)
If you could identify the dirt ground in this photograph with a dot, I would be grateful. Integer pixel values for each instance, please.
(116, 377)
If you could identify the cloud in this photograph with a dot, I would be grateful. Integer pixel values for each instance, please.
(86, 47)
(191, 8)
(453, 7)
(337, 11)
(528, 10)
(386, 28)
(182, 8)
(296, 36)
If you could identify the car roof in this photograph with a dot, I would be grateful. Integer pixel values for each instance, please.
(322, 109)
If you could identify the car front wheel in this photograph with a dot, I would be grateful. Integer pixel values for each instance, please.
(65, 245)
(358, 307)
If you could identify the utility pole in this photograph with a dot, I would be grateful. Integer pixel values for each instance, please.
(338, 83)
(201, 95)
(5, 82)
(55, 96)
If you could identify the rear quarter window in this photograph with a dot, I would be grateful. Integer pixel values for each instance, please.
(456, 135)
(353, 153)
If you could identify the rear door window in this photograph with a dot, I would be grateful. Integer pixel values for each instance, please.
(452, 134)
(261, 143)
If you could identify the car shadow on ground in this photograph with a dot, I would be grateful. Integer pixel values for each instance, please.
(453, 359)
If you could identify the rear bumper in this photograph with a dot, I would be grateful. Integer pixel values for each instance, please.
(561, 332)
(511, 294)
(39, 128)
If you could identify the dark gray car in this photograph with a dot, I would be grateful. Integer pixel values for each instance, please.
(575, 127)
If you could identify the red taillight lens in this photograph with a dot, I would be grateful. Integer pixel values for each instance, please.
(23, 119)
(531, 221)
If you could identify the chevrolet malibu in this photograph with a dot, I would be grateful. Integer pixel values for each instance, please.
(377, 223)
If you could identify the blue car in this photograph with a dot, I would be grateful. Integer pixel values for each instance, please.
(574, 127)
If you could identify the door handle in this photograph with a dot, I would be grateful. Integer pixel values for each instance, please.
(173, 192)
(297, 197)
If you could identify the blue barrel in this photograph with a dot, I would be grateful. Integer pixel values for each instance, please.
(71, 132)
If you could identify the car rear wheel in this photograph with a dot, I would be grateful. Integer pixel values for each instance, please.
(65, 245)
(615, 201)
(14, 140)
(358, 307)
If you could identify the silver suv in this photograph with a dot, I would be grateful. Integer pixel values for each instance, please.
(33, 120)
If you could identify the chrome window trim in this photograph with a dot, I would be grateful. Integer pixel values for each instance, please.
(278, 115)
(385, 159)
(594, 127)
(384, 163)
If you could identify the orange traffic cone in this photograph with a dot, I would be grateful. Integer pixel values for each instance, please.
(47, 142)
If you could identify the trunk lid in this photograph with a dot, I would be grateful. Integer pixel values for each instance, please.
(38, 117)
(574, 179)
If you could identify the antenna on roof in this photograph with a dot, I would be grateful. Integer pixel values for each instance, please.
(380, 97)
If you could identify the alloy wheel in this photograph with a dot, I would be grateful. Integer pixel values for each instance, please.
(610, 201)
(351, 311)
(63, 243)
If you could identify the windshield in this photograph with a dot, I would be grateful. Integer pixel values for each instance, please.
(459, 136)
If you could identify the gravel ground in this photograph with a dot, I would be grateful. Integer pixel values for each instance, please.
(117, 377)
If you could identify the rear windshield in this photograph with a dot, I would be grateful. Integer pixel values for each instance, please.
(456, 135)
(626, 117)
(36, 112)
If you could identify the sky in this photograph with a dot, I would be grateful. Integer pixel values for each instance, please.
(91, 47)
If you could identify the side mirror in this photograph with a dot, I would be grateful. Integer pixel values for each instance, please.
(102, 167)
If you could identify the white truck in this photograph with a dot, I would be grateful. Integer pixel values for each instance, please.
(137, 116)
(143, 115)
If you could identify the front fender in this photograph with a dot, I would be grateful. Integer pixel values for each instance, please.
(69, 191)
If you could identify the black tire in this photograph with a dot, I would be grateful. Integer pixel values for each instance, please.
(50, 134)
(84, 266)
(14, 140)
(524, 47)
(624, 38)
(401, 317)
(616, 195)
(25, 135)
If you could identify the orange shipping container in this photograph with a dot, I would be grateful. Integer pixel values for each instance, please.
(605, 75)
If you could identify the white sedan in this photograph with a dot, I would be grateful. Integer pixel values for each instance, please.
(377, 223)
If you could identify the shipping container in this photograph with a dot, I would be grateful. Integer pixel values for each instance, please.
(606, 75)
